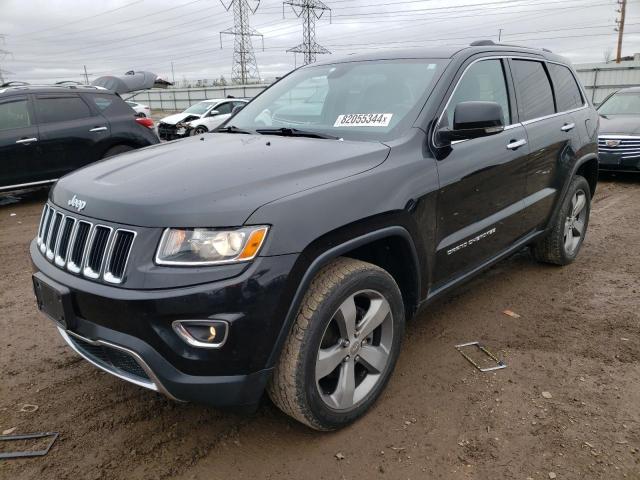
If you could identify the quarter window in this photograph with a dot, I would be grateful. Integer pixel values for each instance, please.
(535, 97)
(61, 109)
(568, 94)
(483, 81)
(14, 115)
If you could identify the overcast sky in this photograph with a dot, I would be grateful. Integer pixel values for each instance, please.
(51, 40)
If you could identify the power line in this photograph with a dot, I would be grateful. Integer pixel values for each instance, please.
(309, 11)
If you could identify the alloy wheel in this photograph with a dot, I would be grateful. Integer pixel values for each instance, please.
(355, 350)
(574, 225)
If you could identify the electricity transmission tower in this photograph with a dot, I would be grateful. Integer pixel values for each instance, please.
(620, 28)
(245, 67)
(309, 11)
(3, 55)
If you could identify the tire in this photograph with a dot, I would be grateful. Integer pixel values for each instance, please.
(200, 130)
(555, 247)
(118, 149)
(301, 386)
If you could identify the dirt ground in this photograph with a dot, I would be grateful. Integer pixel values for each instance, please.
(577, 338)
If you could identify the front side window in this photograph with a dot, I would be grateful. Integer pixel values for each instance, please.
(568, 94)
(367, 100)
(483, 81)
(621, 104)
(61, 109)
(14, 114)
(223, 108)
(535, 97)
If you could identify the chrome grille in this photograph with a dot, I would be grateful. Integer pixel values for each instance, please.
(628, 147)
(92, 250)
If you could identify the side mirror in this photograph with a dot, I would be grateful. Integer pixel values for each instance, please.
(236, 109)
(213, 113)
(473, 120)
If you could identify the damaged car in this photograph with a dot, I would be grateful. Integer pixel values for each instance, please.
(199, 118)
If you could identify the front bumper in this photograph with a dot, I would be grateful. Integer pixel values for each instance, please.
(615, 162)
(167, 131)
(128, 332)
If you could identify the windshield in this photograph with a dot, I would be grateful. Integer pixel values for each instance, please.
(373, 100)
(199, 108)
(621, 104)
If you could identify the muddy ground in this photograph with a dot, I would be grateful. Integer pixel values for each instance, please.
(578, 338)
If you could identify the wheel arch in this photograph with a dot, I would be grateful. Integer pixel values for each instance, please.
(403, 266)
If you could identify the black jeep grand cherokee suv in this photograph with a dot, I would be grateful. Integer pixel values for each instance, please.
(287, 250)
(48, 131)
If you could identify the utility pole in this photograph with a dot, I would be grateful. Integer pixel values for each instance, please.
(499, 35)
(245, 67)
(309, 11)
(620, 28)
(86, 75)
(173, 75)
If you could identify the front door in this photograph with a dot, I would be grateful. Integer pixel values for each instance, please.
(482, 180)
(19, 153)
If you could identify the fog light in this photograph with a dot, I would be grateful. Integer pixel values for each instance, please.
(202, 333)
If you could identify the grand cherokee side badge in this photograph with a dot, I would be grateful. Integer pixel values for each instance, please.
(76, 203)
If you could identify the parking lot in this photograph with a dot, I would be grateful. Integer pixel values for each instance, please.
(577, 340)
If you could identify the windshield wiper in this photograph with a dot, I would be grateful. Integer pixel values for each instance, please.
(294, 132)
(232, 129)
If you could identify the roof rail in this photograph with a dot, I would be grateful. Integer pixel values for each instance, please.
(484, 43)
(14, 83)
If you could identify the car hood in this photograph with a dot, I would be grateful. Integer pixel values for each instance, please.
(620, 124)
(178, 117)
(216, 180)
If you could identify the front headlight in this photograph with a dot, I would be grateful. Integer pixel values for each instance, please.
(209, 246)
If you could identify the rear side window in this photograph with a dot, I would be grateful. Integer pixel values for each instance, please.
(110, 104)
(483, 81)
(535, 97)
(14, 115)
(568, 94)
(61, 109)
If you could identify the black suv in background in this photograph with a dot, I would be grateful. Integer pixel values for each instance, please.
(287, 255)
(48, 131)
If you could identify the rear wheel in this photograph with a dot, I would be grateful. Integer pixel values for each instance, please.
(343, 345)
(563, 242)
(118, 149)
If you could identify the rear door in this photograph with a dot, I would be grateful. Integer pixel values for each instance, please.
(551, 131)
(482, 180)
(70, 131)
(19, 152)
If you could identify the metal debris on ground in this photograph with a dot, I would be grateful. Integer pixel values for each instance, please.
(28, 453)
(499, 363)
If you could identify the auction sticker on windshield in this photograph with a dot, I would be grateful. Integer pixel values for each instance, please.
(363, 120)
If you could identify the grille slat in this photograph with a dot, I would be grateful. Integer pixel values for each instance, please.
(53, 235)
(94, 251)
(97, 250)
(120, 250)
(63, 243)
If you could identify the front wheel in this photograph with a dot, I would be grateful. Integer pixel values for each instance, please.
(200, 129)
(562, 244)
(343, 346)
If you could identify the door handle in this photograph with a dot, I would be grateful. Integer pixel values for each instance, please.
(98, 129)
(568, 127)
(516, 144)
(26, 141)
